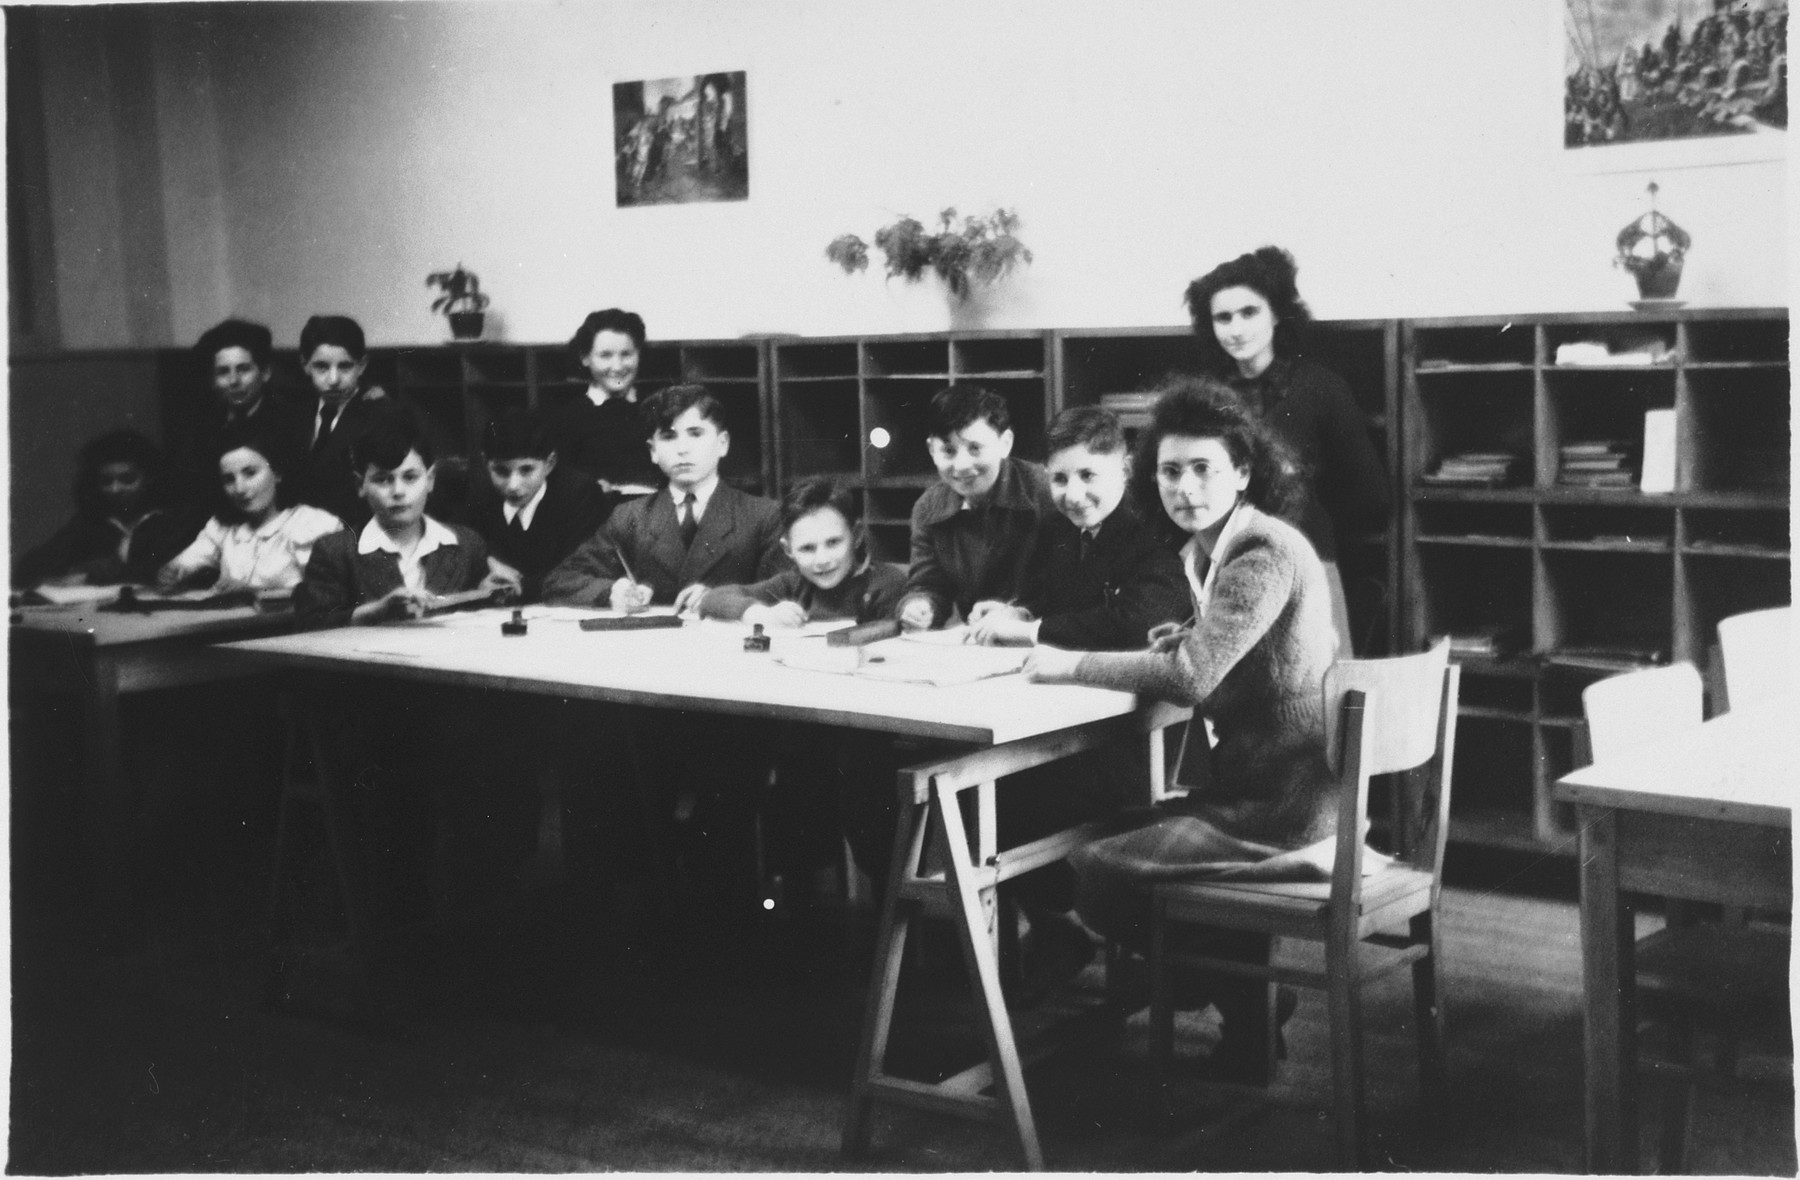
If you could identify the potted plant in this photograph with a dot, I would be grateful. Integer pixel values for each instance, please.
(1651, 247)
(982, 250)
(460, 300)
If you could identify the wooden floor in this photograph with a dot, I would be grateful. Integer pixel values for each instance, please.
(558, 1035)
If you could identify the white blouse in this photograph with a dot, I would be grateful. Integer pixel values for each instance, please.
(269, 557)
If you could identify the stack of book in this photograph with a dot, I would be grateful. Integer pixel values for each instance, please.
(1478, 469)
(1490, 642)
(1133, 409)
(1605, 463)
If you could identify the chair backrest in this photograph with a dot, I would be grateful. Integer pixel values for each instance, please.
(1757, 649)
(1388, 716)
(1633, 709)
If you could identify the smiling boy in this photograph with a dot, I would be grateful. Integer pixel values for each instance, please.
(1099, 578)
(696, 532)
(972, 532)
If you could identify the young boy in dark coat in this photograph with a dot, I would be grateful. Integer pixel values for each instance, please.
(532, 512)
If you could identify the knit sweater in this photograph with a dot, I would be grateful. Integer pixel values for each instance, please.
(1253, 665)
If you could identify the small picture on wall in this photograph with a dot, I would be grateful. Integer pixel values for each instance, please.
(681, 139)
(1675, 72)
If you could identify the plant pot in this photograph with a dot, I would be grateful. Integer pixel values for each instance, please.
(1658, 280)
(467, 325)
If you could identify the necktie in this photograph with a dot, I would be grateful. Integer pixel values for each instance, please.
(1087, 545)
(689, 526)
(328, 412)
(516, 526)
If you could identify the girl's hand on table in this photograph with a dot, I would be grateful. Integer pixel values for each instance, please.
(1008, 625)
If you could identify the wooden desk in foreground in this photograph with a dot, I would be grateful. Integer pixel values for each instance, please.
(1009, 725)
(1706, 816)
(98, 656)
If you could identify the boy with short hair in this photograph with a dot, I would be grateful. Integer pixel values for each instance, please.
(538, 511)
(402, 558)
(973, 532)
(1099, 577)
(696, 532)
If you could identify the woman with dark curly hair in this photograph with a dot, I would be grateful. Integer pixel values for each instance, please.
(1252, 325)
(600, 434)
(124, 526)
(1251, 662)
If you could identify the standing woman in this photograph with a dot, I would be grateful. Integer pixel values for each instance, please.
(1251, 323)
(1251, 662)
(602, 433)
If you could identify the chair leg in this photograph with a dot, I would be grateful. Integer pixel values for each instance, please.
(1429, 1011)
(1341, 967)
(1678, 1101)
(1162, 997)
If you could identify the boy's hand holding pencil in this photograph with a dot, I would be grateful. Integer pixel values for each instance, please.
(629, 597)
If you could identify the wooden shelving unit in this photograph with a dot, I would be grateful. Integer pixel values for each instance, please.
(856, 408)
(1582, 582)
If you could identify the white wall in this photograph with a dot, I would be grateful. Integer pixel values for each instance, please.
(324, 157)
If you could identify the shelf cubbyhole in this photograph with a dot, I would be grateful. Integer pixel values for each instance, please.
(1741, 431)
(1758, 341)
(1492, 772)
(1720, 587)
(743, 418)
(906, 358)
(1506, 698)
(1742, 532)
(1457, 522)
(442, 411)
(1467, 592)
(1607, 607)
(1364, 569)
(890, 506)
(973, 358)
(660, 365)
(1482, 413)
(423, 366)
(1483, 345)
(813, 361)
(903, 410)
(1609, 529)
(495, 366)
(1559, 694)
(1094, 366)
(556, 366)
(890, 542)
(821, 429)
(1359, 356)
(1025, 404)
(720, 362)
(1656, 337)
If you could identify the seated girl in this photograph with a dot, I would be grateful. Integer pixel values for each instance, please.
(833, 576)
(123, 529)
(1252, 663)
(261, 540)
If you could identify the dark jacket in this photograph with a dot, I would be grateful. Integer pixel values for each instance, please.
(91, 544)
(739, 541)
(331, 480)
(338, 579)
(606, 441)
(1129, 583)
(570, 512)
(863, 597)
(962, 557)
(1311, 409)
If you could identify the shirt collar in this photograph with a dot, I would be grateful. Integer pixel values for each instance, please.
(1190, 555)
(702, 494)
(528, 510)
(128, 529)
(598, 395)
(375, 539)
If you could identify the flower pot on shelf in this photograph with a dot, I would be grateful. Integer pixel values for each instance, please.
(467, 325)
(1659, 280)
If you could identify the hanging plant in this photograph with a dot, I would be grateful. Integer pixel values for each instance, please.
(982, 250)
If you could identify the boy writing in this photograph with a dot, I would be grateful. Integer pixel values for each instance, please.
(973, 532)
(1099, 578)
(402, 559)
(538, 512)
(694, 533)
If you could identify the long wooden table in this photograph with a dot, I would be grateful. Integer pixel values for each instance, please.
(1007, 724)
(100, 656)
(1706, 816)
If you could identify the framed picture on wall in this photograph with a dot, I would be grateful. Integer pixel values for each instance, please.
(682, 139)
(1654, 84)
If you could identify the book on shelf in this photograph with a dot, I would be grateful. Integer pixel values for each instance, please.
(1605, 657)
(1475, 469)
(1489, 642)
(1658, 472)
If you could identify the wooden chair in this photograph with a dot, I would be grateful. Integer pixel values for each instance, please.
(1757, 651)
(1383, 716)
(1722, 975)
